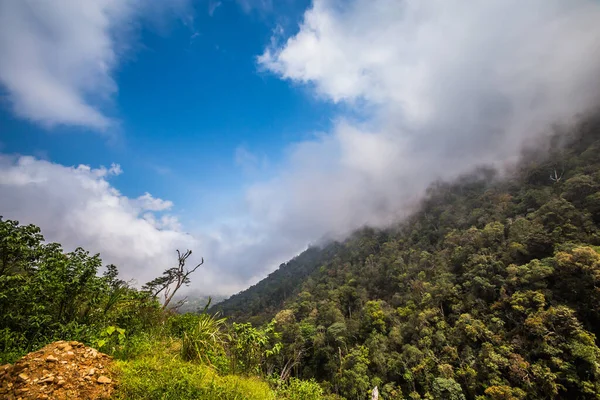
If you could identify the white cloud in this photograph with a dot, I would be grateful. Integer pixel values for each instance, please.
(405, 51)
(441, 87)
(57, 57)
(147, 202)
(77, 206)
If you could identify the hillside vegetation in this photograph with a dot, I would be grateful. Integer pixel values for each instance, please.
(490, 291)
(47, 295)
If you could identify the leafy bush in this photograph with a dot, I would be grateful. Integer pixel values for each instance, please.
(13, 345)
(178, 324)
(252, 348)
(296, 389)
(111, 338)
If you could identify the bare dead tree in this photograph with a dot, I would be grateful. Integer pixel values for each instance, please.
(555, 176)
(290, 364)
(172, 279)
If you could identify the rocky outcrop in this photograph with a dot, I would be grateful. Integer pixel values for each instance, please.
(61, 371)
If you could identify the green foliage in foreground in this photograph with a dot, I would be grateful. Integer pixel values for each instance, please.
(157, 371)
(162, 375)
(47, 294)
(296, 389)
(205, 339)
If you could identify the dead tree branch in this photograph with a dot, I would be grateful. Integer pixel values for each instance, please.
(172, 279)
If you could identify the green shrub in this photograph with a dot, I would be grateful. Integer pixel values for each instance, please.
(13, 345)
(178, 324)
(252, 348)
(111, 339)
(136, 345)
(296, 389)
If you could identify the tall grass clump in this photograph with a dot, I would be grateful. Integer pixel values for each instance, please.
(205, 341)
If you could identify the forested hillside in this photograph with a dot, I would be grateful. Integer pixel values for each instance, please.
(260, 302)
(490, 291)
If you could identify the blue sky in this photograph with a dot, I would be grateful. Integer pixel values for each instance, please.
(190, 94)
(248, 129)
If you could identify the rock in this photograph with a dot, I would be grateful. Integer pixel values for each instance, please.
(22, 377)
(103, 380)
(45, 374)
(47, 379)
(20, 366)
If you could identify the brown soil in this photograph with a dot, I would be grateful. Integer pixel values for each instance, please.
(61, 371)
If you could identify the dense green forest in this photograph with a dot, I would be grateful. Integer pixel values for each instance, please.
(490, 291)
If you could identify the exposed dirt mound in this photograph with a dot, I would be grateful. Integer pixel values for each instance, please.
(61, 370)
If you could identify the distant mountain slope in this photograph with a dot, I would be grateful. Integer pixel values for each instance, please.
(194, 302)
(267, 297)
(490, 291)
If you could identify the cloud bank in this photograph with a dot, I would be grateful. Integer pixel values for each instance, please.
(439, 87)
(77, 206)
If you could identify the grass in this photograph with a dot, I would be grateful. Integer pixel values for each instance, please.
(161, 374)
(205, 339)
